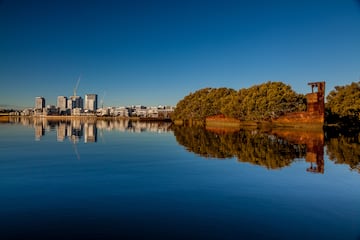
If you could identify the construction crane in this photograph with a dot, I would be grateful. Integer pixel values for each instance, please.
(76, 86)
(102, 100)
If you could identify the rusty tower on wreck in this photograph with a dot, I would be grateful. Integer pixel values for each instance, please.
(316, 99)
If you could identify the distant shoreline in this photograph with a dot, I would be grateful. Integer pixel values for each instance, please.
(7, 117)
(221, 123)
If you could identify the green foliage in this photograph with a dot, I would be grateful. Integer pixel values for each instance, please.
(267, 101)
(202, 103)
(343, 103)
(260, 102)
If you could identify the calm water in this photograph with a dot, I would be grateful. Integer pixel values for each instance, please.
(117, 180)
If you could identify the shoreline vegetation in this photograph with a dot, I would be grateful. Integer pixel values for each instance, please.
(234, 124)
(272, 104)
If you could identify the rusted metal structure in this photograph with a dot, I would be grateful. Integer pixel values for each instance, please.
(315, 113)
(316, 100)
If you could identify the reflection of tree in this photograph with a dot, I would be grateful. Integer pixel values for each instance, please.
(274, 148)
(345, 150)
(268, 150)
(247, 146)
(202, 142)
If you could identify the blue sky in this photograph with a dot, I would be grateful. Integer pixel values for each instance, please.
(156, 52)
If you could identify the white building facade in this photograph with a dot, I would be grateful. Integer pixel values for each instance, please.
(39, 103)
(62, 103)
(90, 102)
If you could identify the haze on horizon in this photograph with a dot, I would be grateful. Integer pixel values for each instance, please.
(157, 52)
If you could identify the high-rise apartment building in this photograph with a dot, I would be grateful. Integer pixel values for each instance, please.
(39, 103)
(75, 102)
(62, 103)
(90, 102)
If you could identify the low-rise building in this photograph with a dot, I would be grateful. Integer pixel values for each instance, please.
(120, 112)
(50, 110)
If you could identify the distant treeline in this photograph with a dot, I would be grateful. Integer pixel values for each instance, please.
(266, 101)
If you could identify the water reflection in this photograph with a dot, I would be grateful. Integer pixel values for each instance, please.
(77, 129)
(344, 149)
(314, 142)
(251, 146)
(273, 148)
(270, 148)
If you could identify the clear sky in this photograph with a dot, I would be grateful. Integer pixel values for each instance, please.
(156, 52)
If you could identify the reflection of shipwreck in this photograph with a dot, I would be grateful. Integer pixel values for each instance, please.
(314, 141)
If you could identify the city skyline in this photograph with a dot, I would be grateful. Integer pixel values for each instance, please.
(89, 102)
(157, 52)
(75, 105)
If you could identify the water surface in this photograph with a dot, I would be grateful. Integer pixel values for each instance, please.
(123, 179)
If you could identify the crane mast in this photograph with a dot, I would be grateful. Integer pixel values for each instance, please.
(76, 86)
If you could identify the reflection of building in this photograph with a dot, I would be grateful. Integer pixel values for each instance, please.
(90, 102)
(39, 103)
(76, 131)
(61, 132)
(39, 130)
(68, 129)
(76, 128)
(90, 132)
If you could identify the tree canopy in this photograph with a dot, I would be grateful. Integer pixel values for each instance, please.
(344, 102)
(204, 102)
(260, 102)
